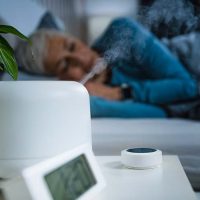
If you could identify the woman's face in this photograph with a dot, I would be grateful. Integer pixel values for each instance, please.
(68, 58)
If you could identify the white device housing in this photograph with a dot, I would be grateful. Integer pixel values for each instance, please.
(41, 119)
(31, 183)
(141, 160)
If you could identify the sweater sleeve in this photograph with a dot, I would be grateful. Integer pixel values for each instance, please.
(186, 48)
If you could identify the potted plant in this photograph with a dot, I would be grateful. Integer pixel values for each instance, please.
(7, 59)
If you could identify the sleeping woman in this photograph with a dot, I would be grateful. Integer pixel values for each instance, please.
(142, 76)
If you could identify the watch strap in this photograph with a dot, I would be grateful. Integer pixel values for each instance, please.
(126, 91)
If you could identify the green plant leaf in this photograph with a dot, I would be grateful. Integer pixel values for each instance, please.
(7, 60)
(10, 29)
(1, 66)
(9, 63)
(5, 45)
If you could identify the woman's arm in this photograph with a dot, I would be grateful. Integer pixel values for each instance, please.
(104, 91)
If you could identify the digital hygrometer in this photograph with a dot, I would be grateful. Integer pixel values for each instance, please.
(72, 175)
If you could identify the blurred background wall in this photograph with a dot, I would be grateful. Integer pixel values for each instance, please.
(85, 19)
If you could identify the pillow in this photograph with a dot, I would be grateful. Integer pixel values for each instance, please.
(23, 14)
(48, 21)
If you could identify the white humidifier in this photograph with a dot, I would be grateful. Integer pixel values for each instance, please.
(40, 119)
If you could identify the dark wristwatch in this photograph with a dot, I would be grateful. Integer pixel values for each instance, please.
(126, 91)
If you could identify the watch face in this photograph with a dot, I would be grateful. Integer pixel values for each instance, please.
(141, 150)
(71, 180)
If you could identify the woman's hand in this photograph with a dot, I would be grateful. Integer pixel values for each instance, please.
(104, 91)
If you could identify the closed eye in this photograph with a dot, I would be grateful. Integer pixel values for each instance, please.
(71, 47)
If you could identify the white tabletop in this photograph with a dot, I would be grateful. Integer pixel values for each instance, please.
(165, 182)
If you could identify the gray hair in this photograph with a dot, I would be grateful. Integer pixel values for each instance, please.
(31, 57)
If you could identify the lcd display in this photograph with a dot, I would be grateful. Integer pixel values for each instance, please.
(71, 180)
